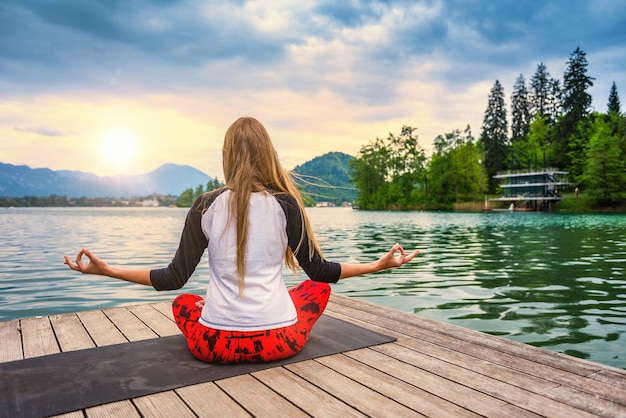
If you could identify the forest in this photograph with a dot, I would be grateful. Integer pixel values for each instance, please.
(552, 125)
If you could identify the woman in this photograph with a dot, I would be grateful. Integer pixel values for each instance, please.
(248, 228)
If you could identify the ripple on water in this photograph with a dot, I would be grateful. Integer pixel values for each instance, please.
(550, 280)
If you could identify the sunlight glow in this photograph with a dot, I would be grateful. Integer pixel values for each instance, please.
(118, 146)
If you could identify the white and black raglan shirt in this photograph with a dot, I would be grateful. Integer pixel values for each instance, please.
(274, 223)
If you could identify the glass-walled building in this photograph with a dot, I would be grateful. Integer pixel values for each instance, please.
(532, 190)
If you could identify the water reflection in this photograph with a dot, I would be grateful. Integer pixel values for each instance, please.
(554, 281)
(551, 280)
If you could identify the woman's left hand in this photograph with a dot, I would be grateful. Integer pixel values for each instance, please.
(95, 265)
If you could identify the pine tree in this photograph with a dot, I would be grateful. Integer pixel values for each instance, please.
(520, 111)
(494, 134)
(545, 95)
(554, 103)
(576, 106)
(540, 86)
(576, 99)
(614, 103)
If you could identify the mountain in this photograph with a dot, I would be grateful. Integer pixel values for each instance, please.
(169, 179)
(327, 178)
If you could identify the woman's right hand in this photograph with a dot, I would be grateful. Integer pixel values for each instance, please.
(391, 260)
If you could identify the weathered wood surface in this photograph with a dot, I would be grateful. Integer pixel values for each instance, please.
(433, 369)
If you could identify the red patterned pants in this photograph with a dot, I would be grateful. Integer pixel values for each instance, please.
(227, 347)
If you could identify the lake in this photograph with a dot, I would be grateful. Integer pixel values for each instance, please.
(556, 281)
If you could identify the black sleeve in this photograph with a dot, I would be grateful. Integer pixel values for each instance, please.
(188, 255)
(315, 267)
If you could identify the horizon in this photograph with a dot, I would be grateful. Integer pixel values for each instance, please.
(111, 88)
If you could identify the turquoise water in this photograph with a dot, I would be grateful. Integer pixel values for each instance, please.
(556, 281)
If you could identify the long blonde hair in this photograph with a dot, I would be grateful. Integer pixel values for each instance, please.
(251, 164)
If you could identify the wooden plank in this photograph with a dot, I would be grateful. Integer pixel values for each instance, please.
(466, 397)
(129, 325)
(70, 332)
(75, 414)
(612, 376)
(120, 409)
(389, 385)
(349, 391)
(521, 372)
(438, 386)
(38, 337)
(155, 320)
(259, 400)
(305, 395)
(11, 341)
(100, 328)
(208, 400)
(523, 398)
(165, 308)
(162, 405)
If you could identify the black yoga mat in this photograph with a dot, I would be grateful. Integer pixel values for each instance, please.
(64, 382)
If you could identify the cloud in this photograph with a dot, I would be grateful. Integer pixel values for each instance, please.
(332, 75)
(45, 132)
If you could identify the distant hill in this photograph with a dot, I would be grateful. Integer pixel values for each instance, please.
(169, 179)
(326, 178)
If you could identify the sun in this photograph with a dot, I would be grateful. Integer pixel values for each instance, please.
(118, 146)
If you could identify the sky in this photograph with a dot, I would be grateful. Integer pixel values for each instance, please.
(124, 86)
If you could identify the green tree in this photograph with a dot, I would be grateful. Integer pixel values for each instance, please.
(614, 104)
(545, 95)
(455, 171)
(604, 173)
(198, 191)
(494, 134)
(520, 111)
(539, 83)
(389, 173)
(576, 105)
(554, 104)
(576, 99)
(213, 185)
(185, 199)
(538, 140)
(578, 145)
(406, 167)
(369, 174)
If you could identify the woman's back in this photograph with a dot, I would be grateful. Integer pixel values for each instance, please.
(265, 302)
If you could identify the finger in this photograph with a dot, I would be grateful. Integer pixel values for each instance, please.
(412, 255)
(395, 248)
(79, 260)
(69, 263)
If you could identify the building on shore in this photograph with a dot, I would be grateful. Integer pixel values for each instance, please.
(537, 190)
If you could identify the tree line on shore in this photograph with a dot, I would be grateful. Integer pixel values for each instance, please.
(552, 125)
(65, 201)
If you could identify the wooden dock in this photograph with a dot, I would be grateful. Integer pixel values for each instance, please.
(433, 369)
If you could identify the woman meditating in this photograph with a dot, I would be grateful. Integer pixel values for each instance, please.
(249, 227)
